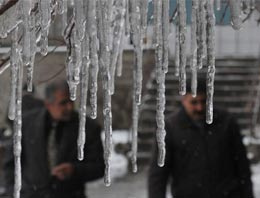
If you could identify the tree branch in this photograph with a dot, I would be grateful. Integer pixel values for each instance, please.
(8, 5)
(52, 77)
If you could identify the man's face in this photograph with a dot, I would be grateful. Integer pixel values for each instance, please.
(195, 107)
(61, 108)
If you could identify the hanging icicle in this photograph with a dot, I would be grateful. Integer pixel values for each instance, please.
(210, 60)
(144, 14)
(136, 36)
(94, 65)
(17, 137)
(74, 58)
(161, 68)
(177, 48)
(165, 33)
(103, 12)
(80, 19)
(45, 12)
(84, 78)
(182, 45)
(119, 25)
(14, 74)
(194, 47)
(201, 33)
(63, 7)
(32, 48)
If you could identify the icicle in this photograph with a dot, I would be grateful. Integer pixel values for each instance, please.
(201, 33)
(137, 42)
(83, 96)
(33, 49)
(76, 61)
(165, 32)
(26, 5)
(14, 74)
(194, 47)
(236, 18)
(135, 117)
(160, 79)
(177, 49)
(182, 38)
(104, 64)
(120, 60)
(160, 107)
(79, 19)
(136, 31)
(64, 16)
(45, 11)
(18, 129)
(144, 14)
(127, 19)
(210, 60)
(218, 4)
(74, 58)
(117, 38)
(94, 67)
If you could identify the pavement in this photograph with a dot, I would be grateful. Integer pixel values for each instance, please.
(132, 185)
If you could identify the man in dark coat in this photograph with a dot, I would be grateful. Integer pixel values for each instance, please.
(202, 160)
(50, 168)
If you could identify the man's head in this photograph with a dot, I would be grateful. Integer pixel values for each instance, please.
(57, 101)
(195, 107)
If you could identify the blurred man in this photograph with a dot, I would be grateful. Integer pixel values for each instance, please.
(202, 161)
(50, 168)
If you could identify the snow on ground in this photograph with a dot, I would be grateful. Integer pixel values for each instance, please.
(256, 179)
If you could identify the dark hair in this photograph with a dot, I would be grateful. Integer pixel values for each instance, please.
(51, 89)
(201, 86)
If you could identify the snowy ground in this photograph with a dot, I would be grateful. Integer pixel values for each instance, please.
(129, 185)
(256, 179)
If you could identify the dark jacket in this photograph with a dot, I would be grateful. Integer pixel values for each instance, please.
(36, 178)
(202, 162)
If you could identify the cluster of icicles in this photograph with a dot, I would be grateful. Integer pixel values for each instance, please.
(94, 35)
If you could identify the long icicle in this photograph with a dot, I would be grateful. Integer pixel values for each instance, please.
(14, 74)
(117, 35)
(94, 65)
(194, 46)
(165, 33)
(160, 79)
(105, 73)
(33, 49)
(136, 29)
(84, 77)
(45, 12)
(80, 19)
(17, 138)
(177, 47)
(144, 14)
(201, 33)
(182, 38)
(210, 60)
